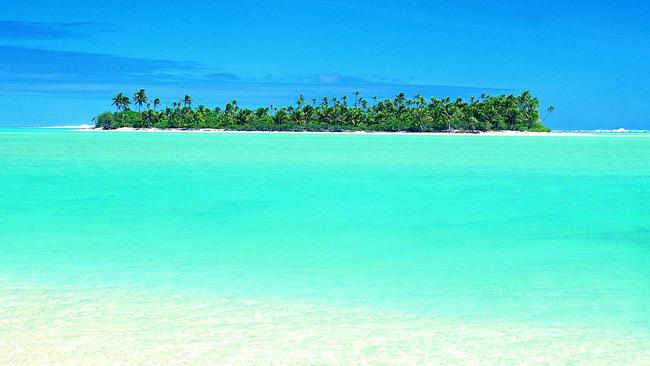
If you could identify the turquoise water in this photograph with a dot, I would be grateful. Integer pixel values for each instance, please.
(459, 239)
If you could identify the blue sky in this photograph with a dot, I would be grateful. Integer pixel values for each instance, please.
(61, 62)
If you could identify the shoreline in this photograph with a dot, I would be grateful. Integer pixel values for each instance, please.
(454, 133)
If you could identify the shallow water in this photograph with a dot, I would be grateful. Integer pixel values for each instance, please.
(323, 249)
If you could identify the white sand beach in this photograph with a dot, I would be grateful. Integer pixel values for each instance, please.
(454, 133)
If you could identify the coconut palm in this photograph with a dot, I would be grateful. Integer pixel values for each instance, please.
(140, 98)
(148, 118)
(550, 110)
(118, 101)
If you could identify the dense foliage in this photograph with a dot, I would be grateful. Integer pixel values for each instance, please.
(487, 113)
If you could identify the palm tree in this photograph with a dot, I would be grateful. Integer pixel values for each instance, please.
(156, 103)
(188, 101)
(420, 111)
(297, 116)
(148, 118)
(280, 117)
(121, 102)
(126, 103)
(118, 101)
(511, 111)
(261, 111)
(550, 110)
(364, 103)
(400, 99)
(140, 98)
(448, 111)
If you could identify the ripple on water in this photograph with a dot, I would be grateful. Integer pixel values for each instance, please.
(117, 327)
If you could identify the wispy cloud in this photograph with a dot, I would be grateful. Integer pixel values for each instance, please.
(18, 30)
(20, 64)
(40, 72)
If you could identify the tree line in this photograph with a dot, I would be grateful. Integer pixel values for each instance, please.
(418, 114)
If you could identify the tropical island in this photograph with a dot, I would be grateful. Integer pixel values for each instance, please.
(401, 114)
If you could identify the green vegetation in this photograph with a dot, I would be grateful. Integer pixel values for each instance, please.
(487, 113)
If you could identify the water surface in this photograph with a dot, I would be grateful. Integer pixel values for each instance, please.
(385, 248)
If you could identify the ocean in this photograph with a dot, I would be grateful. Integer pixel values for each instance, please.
(324, 249)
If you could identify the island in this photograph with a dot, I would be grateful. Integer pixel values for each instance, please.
(400, 114)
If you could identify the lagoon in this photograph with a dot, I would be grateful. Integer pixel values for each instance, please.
(252, 248)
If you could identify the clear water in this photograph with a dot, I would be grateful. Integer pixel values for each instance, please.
(185, 248)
